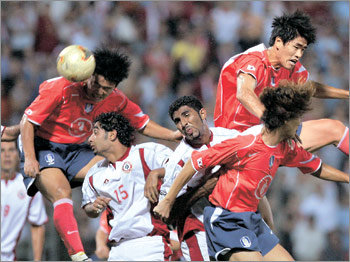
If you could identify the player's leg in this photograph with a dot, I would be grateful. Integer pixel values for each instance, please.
(319, 133)
(82, 173)
(244, 256)
(278, 253)
(53, 184)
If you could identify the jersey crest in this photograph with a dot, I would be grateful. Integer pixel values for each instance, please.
(88, 107)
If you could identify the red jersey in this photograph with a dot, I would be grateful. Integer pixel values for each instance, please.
(250, 167)
(229, 112)
(64, 115)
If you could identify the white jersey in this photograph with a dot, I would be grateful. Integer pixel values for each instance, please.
(16, 208)
(123, 182)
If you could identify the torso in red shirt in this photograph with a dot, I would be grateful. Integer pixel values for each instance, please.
(229, 112)
(250, 167)
(64, 115)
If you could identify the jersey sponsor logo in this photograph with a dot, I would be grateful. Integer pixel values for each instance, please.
(251, 68)
(80, 127)
(199, 162)
(262, 187)
(245, 242)
(273, 81)
(88, 108)
(127, 166)
(50, 159)
(272, 160)
(21, 194)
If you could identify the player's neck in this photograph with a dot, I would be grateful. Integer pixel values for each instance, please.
(273, 58)
(118, 153)
(271, 138)
(7, 174)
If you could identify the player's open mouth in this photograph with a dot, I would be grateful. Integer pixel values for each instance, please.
(188, 130)
(292, 61)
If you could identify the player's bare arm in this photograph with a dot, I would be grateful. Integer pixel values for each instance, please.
(327, 172)
(94, 209)
(325, 91)
(10, 133)
(31, 164)
(151, 190)
(38, 239)
(245, 94)
(266, 212)
(163, 208)
(152, 129)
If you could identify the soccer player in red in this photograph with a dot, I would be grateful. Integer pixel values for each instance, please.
(9, 133)
(234, 227)
(244, 77)
(56, 125)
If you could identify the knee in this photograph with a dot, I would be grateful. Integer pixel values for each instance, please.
(60, 193)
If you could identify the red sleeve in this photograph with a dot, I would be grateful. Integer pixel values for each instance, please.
(222, 153)
(300, 73)
(50, 96)
(304, 160)
(123, 105)
(252, 65)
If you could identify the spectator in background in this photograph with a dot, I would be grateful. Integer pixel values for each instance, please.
(17, 207)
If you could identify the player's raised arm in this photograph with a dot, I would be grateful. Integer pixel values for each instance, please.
(152, 129)
(10, 133)
(326, 91)
(31, 164)
(245, 94)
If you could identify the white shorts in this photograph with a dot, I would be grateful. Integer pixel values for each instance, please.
(194, 248)
(149, 248)
(7, 256)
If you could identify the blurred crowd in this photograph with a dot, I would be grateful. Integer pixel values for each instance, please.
(178, 48)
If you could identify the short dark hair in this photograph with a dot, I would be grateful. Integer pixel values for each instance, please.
(286, 102)
(114, 121)
(290, 26)
(111, 64)
(190, 101)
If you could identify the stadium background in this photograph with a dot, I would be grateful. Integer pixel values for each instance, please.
(178, 48)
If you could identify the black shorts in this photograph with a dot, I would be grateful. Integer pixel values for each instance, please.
(70, 158)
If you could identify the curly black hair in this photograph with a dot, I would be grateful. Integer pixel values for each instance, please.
(290, 26)
(190, 101)
(286, 102)
(114, 121)
(111, 64)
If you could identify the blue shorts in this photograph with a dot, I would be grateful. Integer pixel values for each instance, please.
(70, 158)
(226, 231)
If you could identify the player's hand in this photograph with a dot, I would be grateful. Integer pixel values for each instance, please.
(31, 167)
(177, 136)
(151, 190)
(163, 208)
(102, 252)
(100, 204)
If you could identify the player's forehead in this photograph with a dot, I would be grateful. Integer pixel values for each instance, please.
(183, 110)
(8, 145)
(299, 41)
(101, 80)
(97, 126)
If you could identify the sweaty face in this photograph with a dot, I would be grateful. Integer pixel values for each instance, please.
(98, 88)
(9, 156)
(189, 122)
(98, 140)
(290, 52)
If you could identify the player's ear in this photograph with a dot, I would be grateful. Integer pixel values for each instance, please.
(203, 113)
(112, 135)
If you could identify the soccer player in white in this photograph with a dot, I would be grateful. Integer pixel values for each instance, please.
(189, 117)
(117, 183)
(17, 207)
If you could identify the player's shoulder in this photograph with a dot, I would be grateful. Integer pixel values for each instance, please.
(152, 146)
(254, 130)
(98, 167)
(59, 85)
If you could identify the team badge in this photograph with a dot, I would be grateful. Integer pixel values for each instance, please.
(88, 108)
(245, 242)
(272, 160)
(251, 68)
(127, 167)
(50, 159)
(200, 162)
(21, 194)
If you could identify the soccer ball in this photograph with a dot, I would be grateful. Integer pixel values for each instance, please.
(76, 63)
